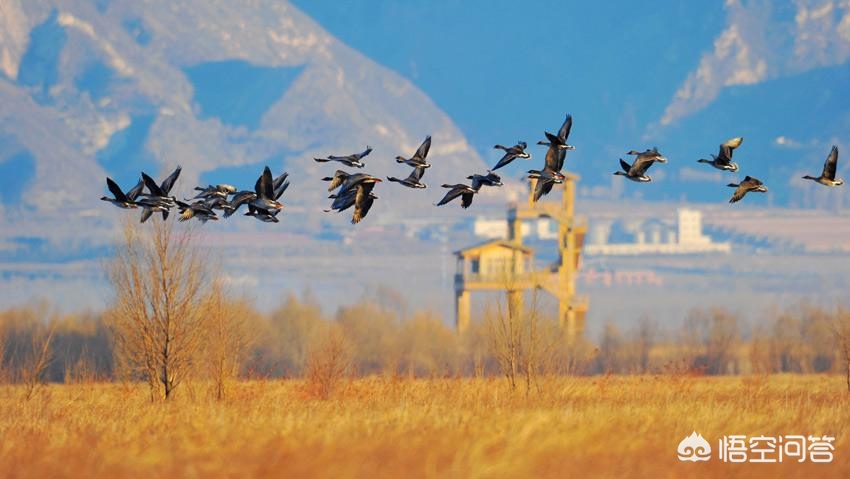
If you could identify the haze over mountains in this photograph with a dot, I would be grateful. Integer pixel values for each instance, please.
(90, 88)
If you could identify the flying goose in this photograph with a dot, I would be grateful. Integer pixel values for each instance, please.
(218, 203)
(827, 177)
(635, 171)
(413, 180)
(511, 153)
(343, 201)
(360, 196)
(559, 141)
(121, 199)
(350, 200)
(150, 205)
(363, 201)
(555, 159)
(545, 181)
(164, 189)
(352, 160)
(337, 179)
(648, 155)
(464, 191)
(264, 188)
(351, 184)
(264, 215)
(643, 160)
(547, 175)
(158, 198)
(551, 173)
(265, 202)
(418, 158)
(749, 184)
(222, 190)
(197, 209)
(352, 181)
(723, 160)
(490, 179)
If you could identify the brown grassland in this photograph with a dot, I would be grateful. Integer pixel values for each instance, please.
(601, 426)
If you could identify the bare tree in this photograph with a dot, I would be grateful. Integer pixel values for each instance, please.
(611, 347)
(36, 359)
(516, 335)
(329, 361)
(534, 347)
(643, 338)
(505, 326)
(228, 337)
(157, 319)
(716, 334)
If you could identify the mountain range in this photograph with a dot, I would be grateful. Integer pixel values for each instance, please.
(110, 88)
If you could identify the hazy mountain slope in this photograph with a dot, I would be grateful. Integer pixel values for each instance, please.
(92, 88)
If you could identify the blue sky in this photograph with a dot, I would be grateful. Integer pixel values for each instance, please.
(507, 70)
(504, 70)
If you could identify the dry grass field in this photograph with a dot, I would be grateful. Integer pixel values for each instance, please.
(605, 426)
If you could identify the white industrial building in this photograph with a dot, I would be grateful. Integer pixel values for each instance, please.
(655, 237)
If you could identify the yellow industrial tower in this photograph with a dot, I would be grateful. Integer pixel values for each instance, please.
(486, 266)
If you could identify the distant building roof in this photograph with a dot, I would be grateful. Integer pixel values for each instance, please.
(499, 243)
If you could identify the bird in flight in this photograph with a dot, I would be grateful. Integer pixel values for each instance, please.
(723, 160)
(827, 177)
(352, 161)
(748, 184)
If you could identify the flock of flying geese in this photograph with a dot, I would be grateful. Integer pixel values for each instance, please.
(262, 202)
(723, 161)
(356, 189)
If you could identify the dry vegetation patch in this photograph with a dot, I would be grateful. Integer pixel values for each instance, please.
(381, 427)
